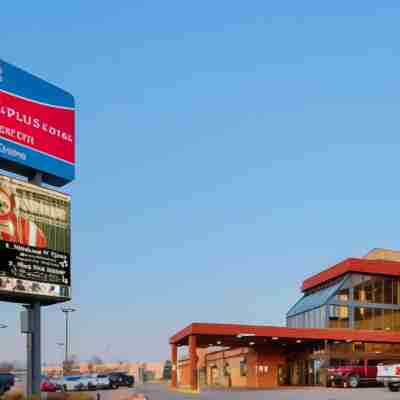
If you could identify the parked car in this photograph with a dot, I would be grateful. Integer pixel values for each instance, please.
(48, 386)
(78, 382)
(119, 379)
(58, 382)
(7, 381)
(353, 375)
(389, 375)
(103, 382)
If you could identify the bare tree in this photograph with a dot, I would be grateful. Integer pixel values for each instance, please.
(6, 366)
(70, 365)
(96, 360)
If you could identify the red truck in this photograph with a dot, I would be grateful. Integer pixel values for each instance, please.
(353, 375)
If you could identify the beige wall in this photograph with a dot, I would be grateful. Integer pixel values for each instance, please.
(215, 368)
(262, 367)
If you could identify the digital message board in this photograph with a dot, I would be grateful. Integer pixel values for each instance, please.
(37, 127)
(35, 241)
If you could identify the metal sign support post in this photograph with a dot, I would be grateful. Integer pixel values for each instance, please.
(26, 328)
(34, 354)
(32, 328)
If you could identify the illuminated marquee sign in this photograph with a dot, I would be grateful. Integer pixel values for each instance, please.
(35, 242)
(37, 127)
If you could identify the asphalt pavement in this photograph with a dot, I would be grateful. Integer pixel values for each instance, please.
(161, 392)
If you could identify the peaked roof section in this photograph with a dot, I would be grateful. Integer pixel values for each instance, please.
(360, 265)
(316, 299)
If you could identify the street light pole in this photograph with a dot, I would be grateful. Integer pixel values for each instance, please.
(66, 336)
(67, 311)
(60, 344)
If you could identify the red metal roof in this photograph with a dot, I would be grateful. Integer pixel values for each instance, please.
(361, 265)
(208, 331)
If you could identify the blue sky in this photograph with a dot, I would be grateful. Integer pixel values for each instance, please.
(226, 151)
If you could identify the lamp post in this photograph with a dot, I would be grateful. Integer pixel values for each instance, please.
(61, 344)
(67, 311)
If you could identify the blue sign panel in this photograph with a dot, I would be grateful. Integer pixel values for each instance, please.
(37, 127)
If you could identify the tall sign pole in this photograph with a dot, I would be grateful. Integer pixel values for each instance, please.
(36, 352)
(26, 327)
(35, 356)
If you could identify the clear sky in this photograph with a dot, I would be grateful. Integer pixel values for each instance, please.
(226, 150)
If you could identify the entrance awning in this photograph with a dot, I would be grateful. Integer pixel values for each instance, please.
(235, 335)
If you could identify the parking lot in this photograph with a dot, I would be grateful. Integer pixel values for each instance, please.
(160, 392)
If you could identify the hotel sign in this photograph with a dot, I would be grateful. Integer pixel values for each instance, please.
(37, 127)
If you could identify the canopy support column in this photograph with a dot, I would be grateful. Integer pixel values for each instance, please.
(174, 360)
(193, 362)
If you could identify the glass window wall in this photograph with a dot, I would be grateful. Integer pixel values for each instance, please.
(343, 295)
(376, 318)
(396, 292)
(388, 290)
(396, 320)
(383, 292)
(363, 318)
(310, 319)
(338, 317)
(378, 290)
(388, 320)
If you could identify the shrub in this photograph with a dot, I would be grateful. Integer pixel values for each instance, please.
(14, 395)
(18, 395)
(79, 396)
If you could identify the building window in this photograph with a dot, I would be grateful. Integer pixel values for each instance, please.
(227, 369)
(388, 320)
(338, 317)
(388, 290)
(243, 366)
(378, 290)
(363, 318)
(309, 319)
(396, 292)
(363, 289)
(378, 319)
(342, 348)
(358, 347)
(358, 284)
(263, 370)
(396, 320)
(368, 290)
(343, 295)
(322, 312)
